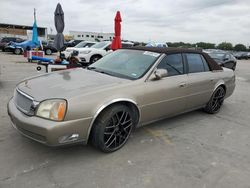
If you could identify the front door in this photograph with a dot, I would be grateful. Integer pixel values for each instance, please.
(166, 96)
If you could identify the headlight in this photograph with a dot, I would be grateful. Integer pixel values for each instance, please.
(85, 52)
(53, 109)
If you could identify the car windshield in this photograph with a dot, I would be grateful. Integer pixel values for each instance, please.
(83, 45)
(100, 45)
(217, 55)
(130, 64)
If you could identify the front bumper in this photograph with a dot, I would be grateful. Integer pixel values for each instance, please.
(48, 132)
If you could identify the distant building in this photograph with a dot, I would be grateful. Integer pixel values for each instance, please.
(21, 31)
(91, 36)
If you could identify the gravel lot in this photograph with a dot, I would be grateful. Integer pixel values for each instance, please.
(194, 150)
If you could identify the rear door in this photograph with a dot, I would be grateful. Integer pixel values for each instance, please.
(200, 80)
(166, 97)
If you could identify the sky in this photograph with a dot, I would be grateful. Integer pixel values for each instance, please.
(191, 21)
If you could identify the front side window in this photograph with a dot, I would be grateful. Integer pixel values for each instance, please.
(195, 63)
(173, 64)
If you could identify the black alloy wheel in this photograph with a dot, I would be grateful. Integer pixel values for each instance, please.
(113, 128)
(216, 101)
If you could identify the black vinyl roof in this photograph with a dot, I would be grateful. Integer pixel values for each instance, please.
(165, 50)
(212, 64)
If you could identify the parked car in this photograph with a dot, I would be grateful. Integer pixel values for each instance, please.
(83, 44)
(157, 44)
(224, 59)
(125, 89)
(19, 48)
(241, 55)
(48, 47)
(97, 51)
(72, 43)
(5, 40)
(94, 53)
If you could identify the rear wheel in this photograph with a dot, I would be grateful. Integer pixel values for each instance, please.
(216, 101)
(113, 128)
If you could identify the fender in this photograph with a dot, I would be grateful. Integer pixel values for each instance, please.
(219, 82)
(108, 104)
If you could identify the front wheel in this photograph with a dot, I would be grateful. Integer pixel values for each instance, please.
(216, 101)
(94, 58)
(113, 128)
(17, 51)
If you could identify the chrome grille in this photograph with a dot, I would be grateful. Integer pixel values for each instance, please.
(23, 102)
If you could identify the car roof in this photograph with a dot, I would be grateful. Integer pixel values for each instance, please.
(212, 64)
(165, 50)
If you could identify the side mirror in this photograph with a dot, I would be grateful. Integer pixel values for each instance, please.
(160, 73)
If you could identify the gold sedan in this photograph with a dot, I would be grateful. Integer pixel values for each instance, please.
(125, 89)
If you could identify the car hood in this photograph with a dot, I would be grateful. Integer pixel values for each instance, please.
(67, 84)
(71, 49)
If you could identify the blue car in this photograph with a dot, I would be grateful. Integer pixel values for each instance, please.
(18, 48)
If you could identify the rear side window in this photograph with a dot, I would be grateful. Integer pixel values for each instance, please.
(206, 67)
(196, 63)
(173, 64)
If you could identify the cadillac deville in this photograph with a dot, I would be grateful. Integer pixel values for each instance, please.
(124, 90)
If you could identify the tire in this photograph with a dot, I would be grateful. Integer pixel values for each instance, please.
(18, 51)
(214, 104)
(94, 58)
(48, 51)
(112, 128)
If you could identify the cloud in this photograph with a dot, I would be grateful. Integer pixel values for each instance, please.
(143, 20)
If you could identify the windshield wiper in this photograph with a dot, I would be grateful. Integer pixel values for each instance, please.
(98, 70)
(103, 72)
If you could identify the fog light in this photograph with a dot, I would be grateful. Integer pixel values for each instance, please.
(68, 138)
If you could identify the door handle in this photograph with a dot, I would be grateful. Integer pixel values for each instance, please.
(212, 79)
(182, 84)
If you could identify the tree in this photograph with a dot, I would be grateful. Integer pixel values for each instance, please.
(225, 46)
(240, 47)
(205, 45)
